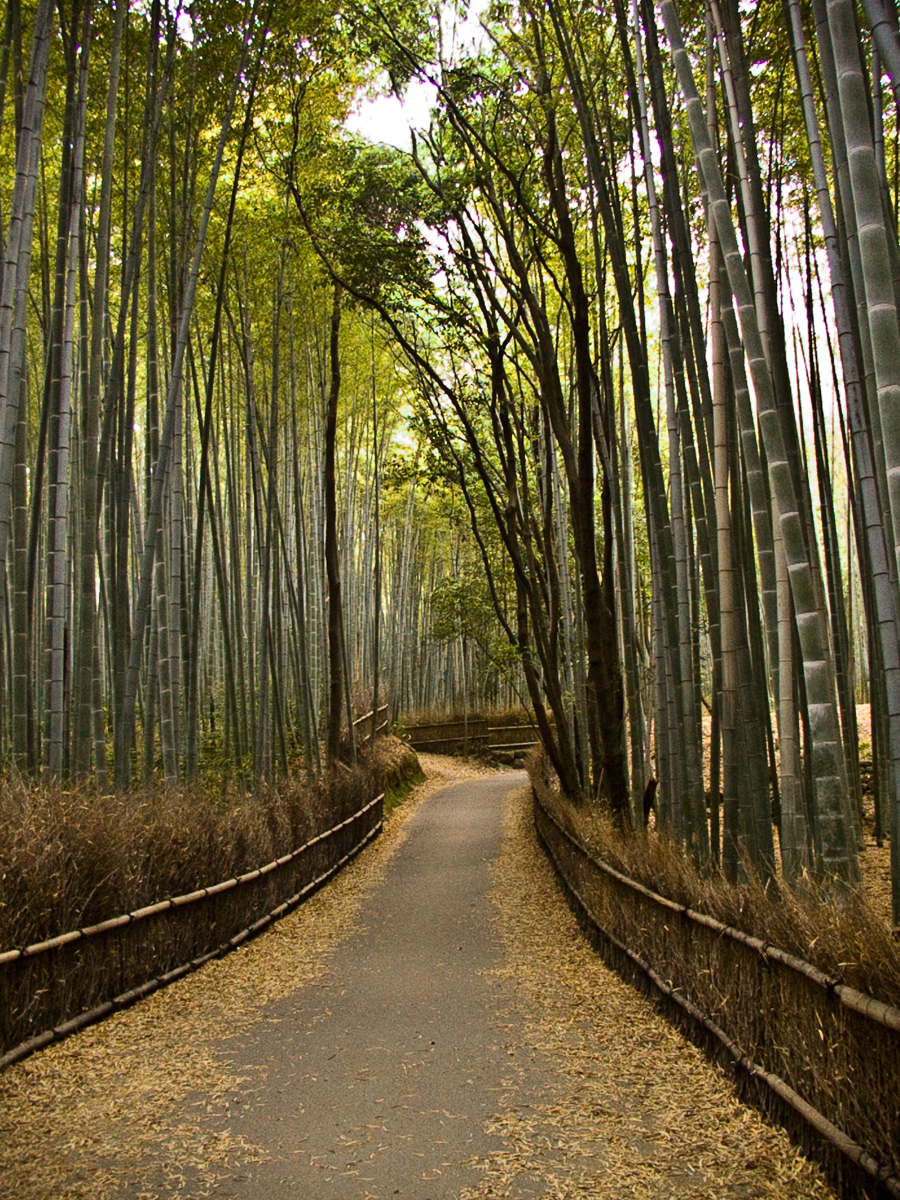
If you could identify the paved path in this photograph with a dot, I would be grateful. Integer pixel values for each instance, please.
(374, 1071)
(375, 1080)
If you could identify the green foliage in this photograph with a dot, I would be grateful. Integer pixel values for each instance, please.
(363, 207)
(461, 608)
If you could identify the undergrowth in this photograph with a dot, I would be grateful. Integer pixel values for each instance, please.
(396, 793)
(70, 858)
(839, 932)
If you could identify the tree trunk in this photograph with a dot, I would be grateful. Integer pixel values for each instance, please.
(332, 548)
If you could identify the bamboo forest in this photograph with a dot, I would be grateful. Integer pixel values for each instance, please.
(584, 399)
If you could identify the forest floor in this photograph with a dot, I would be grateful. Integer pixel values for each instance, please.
(546, 1076)
(874, 860)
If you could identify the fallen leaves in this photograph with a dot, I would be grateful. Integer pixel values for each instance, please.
(629, 1108)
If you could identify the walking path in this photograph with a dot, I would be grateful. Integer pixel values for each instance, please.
(378, 1078)
(431, 1026)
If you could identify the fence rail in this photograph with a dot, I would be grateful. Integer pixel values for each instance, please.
(51, 988)
(366, 718)
(448, 737)
(822, 1054)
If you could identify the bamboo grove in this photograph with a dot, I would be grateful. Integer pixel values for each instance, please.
(658, 362)
(169, 397)
(593, 394)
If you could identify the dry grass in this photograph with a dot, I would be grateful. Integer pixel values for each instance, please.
(73, 858)
(844, 935)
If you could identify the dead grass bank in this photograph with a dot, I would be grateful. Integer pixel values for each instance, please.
(70, 858)
(843, 934)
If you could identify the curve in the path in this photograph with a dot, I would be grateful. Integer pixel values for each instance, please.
(375, 1080)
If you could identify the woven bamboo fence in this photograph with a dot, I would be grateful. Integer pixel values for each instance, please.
(513, 737)
(463, 737)
(448, 737)
(53, 988)
(823, 1058)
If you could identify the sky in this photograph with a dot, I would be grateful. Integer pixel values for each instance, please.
(385, 118)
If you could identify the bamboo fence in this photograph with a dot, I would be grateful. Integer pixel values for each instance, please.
(53, 988)
(465, 736)
(821, 1056)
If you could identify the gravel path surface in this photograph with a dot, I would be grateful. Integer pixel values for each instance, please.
(361, 1065)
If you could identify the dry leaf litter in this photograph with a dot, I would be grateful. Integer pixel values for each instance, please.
(627, 1107)
(631, 1110)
